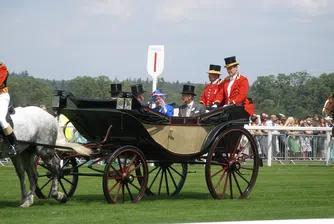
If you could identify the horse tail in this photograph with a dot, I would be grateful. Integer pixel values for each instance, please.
(62, 141)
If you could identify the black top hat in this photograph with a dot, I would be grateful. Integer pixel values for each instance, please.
(137, 89)
(188, 89)
(115, 88)
(214, 69)
(230, 61)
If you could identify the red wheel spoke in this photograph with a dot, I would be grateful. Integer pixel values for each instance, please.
(124, 167)
(117, 182)
(242, 149)
(132, 161)
(236, 146)
(246, 156)
(220, 180)
(119, 163)
(117, 172)
(118, 190)
(232, 147)
(225, 184)
(219, 171)
(218, 163)
(136, 167)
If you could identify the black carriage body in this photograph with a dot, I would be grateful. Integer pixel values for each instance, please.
(159, 137)
(129, 136)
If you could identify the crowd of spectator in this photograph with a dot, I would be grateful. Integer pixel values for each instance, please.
(299, 144)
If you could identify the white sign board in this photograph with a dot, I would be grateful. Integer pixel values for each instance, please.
(155, 62)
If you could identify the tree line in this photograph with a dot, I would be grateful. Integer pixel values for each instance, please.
(297, 94)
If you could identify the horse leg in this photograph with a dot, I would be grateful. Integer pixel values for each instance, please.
(32, 175)
(49, 157)
(19, 168)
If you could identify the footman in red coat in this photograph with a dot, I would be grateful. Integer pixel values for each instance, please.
(235, 86)
(213, 92)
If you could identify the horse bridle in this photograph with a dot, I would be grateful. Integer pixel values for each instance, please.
(328, 106)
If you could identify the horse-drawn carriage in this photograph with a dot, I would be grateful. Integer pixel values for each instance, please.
(147, 152)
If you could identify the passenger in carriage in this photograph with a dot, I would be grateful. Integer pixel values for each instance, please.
(190, 108)
(212, 96)
(235, 87)
(138, 92)
(4, 103)
(159, 99)
(115, 90)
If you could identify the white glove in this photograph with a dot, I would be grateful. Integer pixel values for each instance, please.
(163, 106)
(162, 103)
(225, 105)
(214, 106)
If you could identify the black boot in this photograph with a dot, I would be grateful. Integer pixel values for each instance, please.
(12, 144)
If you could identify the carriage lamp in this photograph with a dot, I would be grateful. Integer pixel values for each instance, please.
(59, 100)
(124, 103)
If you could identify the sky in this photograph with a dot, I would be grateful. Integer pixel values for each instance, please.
(68, 38)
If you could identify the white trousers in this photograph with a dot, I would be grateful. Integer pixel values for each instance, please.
(4, 102)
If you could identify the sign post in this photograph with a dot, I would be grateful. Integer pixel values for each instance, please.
(155, 63)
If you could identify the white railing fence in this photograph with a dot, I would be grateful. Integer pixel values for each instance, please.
(273, 130)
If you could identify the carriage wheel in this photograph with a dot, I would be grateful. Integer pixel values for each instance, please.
(120, 174)
(232, 164)
(67, 180)
(166, 178)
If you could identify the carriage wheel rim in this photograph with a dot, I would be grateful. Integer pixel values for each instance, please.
(124, 177)
(232, 169)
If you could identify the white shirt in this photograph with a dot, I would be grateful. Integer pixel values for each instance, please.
(232, 79)
(189, 107)
(214, 82)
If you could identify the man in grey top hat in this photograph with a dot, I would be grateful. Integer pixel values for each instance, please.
(190, 108)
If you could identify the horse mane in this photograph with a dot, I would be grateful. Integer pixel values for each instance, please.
(62, 141)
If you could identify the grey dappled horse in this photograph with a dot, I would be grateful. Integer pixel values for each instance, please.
(33, 124)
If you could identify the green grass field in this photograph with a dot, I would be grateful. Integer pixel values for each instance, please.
(281, 192)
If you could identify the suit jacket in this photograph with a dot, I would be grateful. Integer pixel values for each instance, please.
(213, 93)
(238, 94)
(196, 110)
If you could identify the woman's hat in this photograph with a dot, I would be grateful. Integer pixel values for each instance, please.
(214, 69)
(158, 93)
(188, 89)
(115, 88)
(230, 61)
(137, 89)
